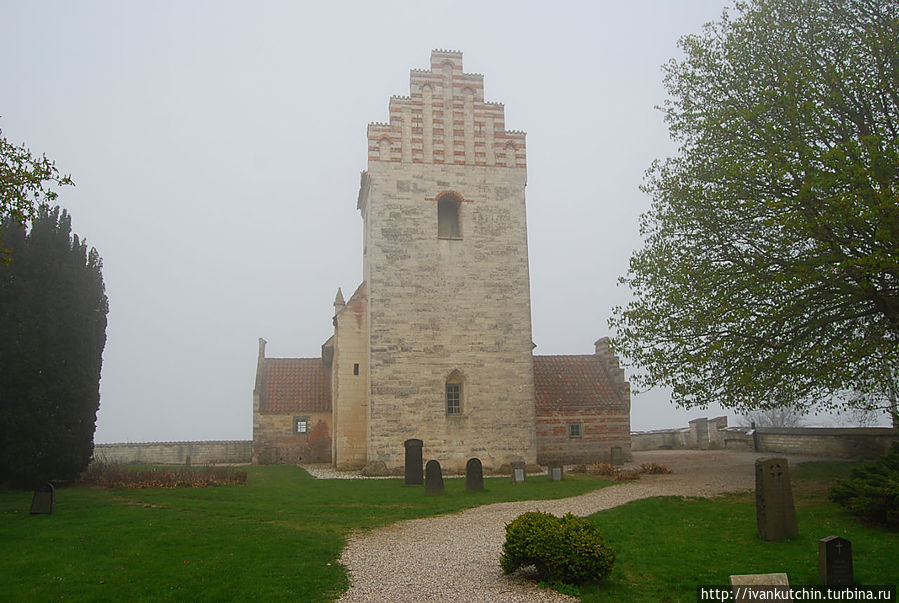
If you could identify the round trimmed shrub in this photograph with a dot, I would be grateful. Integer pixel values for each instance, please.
(567, 549)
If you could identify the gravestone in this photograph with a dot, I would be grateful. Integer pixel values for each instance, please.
(518, 473)
(413, 462)
(556, 471)
(433, 478)
(759, 587)
(474, 475)
(774, 509)
(835, 561)
(615, 456)
(44, 500)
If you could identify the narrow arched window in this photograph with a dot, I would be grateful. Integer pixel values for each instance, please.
(449, 225)
(454, 393)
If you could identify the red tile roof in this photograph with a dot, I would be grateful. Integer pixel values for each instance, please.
(304, 384)
(295, 385)
(573, 382)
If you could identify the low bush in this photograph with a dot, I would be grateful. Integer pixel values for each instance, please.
(566, 549)
(603, 469)
(627, 475)
(117, 475)
(872, 491)
(654, 469)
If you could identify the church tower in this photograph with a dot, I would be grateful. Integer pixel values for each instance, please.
(445, 264)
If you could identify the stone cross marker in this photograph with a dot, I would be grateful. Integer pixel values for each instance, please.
(555, 472)
(835, 561)
(44, 500)
(413, 462)
(518, 473)
(774, 509)
(474, 475)
(433, 478)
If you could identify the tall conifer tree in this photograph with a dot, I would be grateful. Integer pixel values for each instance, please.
(53, 310)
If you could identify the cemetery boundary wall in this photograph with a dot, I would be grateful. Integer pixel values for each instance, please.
(714, 434)
(850, 442)
(177, 453)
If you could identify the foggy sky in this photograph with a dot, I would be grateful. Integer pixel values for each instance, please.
(217, 146)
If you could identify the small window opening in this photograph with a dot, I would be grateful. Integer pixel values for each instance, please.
(356, 369)
(448, 223)
(453, 398)
(574, 430)
(300, 424)
(454, 393)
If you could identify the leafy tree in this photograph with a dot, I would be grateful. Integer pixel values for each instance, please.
(25, 185)
(769, 274)
(53, 310)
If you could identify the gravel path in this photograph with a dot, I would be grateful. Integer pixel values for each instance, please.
(456, 557)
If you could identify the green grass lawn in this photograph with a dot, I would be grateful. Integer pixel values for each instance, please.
(277, 538)
(667, 546)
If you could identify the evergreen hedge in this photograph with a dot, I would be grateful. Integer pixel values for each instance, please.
(872, 491)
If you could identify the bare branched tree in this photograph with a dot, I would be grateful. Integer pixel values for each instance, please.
(782, 416)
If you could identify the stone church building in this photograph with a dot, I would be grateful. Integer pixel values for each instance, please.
(435, 343)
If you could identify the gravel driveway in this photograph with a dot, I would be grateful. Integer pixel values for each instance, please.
(456, 557)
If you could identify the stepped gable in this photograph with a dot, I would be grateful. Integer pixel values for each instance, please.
(445, 119)
(574, 381)
(295, 385)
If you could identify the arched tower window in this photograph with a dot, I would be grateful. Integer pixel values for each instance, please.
(454, 393)
(449, 225)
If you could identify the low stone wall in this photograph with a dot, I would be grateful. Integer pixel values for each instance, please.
(660, 439)
(702, 434)
(176, 453)
(848, 442)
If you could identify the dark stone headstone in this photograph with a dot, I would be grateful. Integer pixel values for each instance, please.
(555, 472)
(413, 472)
(474, 475)
(615, 456)
(44, 500)
(835, 561)
(433, 478)
(519, 475)
(774, 509)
